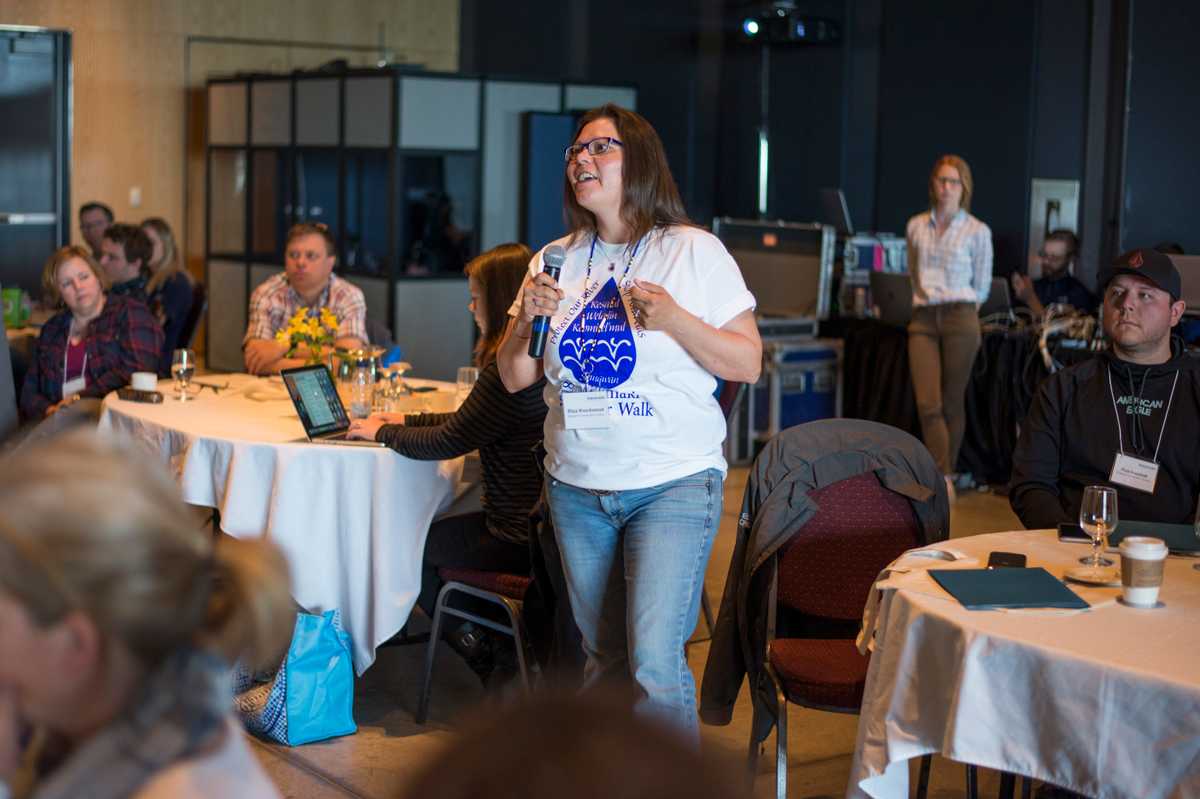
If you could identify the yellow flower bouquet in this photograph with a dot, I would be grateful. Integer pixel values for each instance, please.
(314, 328)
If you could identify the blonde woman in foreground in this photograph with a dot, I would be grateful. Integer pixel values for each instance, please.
(118, 621)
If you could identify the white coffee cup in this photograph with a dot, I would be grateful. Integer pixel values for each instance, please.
(144, 381)
(1142, 560)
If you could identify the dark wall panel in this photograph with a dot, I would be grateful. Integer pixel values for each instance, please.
(955, 77)
(1060, 89)
(1162, 162)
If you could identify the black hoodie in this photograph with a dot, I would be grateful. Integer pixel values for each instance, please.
(1069, 439)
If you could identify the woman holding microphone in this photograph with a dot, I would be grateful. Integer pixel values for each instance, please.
(950, 263)
(647, 312)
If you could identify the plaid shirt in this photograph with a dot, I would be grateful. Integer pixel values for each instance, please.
(956, 267)
(274, 302)
(125, 338)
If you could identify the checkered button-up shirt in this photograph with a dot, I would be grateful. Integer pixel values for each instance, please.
(274, 302)
(125, 338)
(955, 267)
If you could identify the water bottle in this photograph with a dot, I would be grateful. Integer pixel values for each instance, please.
(362, 390)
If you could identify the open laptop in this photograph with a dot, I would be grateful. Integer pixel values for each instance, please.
(835, 212)
(319, 407)
(999, 299)
(891, 293)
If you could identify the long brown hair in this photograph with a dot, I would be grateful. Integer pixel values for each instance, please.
(170, 266)
(499, 273)
(964, 174)
(649, 197)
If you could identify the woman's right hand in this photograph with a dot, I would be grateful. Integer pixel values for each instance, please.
(541, 297)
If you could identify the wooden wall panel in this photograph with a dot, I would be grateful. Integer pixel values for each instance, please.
(137, 73)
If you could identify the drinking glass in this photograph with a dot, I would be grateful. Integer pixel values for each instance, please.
(183, 366)
(1098, 517)
(1196, 528)
(467, 376)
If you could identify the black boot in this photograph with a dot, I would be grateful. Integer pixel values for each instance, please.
(474, 644)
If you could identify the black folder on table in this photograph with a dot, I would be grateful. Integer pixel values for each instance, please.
(986, 589)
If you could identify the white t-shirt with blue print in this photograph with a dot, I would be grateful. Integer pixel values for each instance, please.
(665, 422)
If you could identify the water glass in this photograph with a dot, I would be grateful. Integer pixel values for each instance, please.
(1098, 517)
(183, 367)
(467, 377)
(362, 391)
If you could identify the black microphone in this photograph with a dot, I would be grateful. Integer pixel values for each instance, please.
(552, 261)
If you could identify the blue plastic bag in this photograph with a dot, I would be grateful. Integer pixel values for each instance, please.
(311, 697)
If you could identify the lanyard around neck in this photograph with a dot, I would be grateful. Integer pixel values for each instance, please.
(66, 354)
(592, 252)
(1166, 414)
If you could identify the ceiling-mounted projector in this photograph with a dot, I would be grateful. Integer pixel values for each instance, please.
(781, 23)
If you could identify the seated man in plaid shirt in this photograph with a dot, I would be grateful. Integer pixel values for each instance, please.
(308, 281)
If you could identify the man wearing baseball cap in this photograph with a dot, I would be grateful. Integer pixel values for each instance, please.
(1128, 418)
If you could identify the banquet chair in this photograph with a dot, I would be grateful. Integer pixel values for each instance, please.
(825, 571)
(506, 591)
(187, 333)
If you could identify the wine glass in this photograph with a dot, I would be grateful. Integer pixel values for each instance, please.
(1196, 528)
(467, 377)
(1098, 517)
(183, 366)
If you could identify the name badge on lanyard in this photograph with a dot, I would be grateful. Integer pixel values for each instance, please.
(1129, 471)
(77, 384)
(586, 410)
(1135, 473)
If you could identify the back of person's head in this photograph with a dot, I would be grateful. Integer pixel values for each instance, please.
(51, 293)
(95, 206)
(93, 525)
(169, 265)
(649, 196)
(583, 746)
(133, 242)
(312, 229)
(499, 273)
(964, 174)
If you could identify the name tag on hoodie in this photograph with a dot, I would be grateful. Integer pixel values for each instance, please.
(1135, 473)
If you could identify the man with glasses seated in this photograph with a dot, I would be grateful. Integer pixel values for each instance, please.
(306, 282)
(1056, 285)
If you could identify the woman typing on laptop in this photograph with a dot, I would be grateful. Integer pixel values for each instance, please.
(504, 427)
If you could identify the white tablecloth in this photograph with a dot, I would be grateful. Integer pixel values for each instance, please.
(351, 520)
(1104, 701)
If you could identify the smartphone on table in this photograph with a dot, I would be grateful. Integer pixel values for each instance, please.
(1006, 560)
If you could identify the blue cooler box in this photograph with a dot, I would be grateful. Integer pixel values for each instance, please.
(800, 383)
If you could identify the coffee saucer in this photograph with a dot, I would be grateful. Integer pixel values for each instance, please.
(1090, 576)
(1155, 606)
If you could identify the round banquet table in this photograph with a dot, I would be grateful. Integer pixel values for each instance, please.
(350, 520)
(1103, 701)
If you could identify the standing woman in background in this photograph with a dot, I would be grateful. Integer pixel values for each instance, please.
(648, 310)
(950, 263)
(169, 290)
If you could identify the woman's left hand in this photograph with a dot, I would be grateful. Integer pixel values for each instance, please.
(654, 306)
(365, 429)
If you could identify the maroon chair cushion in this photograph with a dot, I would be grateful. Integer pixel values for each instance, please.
(512, 586)
(828, 566)
(820, 673)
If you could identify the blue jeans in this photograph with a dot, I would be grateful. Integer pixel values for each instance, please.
(634, 562)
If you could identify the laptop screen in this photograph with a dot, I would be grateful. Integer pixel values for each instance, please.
(316, 400)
